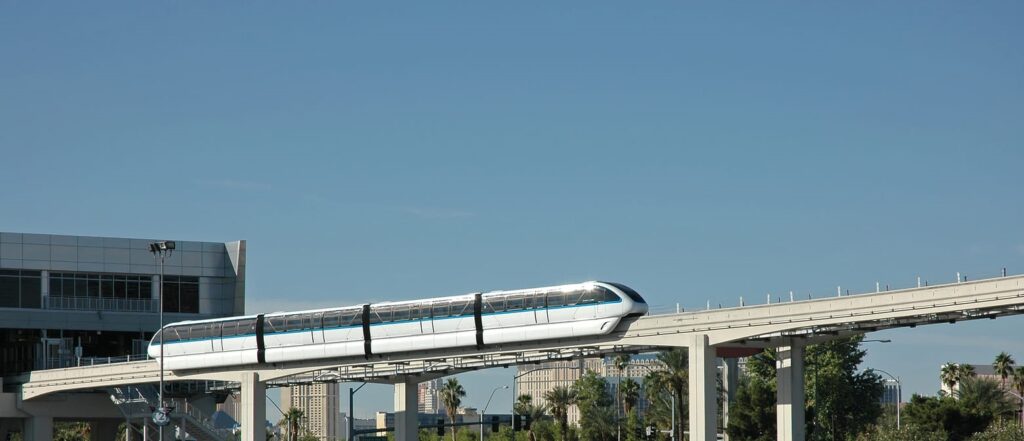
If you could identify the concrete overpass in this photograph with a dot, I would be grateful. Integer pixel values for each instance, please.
(788, 326)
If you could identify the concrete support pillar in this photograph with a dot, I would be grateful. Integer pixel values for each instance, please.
(39, 428)
(406, 410)
(703, 396)
(44, 287)
(254, 408)
(104, 429)
(789, 411)
(730, 382)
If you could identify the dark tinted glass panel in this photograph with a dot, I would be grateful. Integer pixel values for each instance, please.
(494, 303)
(440, 309)
(120, 289)
(94, 287)
(106, 288)
(132, 288)
(400, 313)
(461, 308)
(189, 298)
(170, 296)
(9, 292)
(275, 324)
(30, 287)
(7, 272)
(556, 299)
(145, 289)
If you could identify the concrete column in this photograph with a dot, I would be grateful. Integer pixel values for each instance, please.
(104, 429)
(39, 428)
(44, 287)
(789, 410)
(254, 408)
(703, 396)
(730, 382)
(154, 286)
(406, 410)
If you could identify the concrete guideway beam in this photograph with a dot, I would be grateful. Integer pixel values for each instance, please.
(789, 411)
(406, 410)
(703, 393)
(254, 408)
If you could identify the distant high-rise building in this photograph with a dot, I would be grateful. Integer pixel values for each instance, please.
(890, 392)
(429, 393)
(536, 380)
(319, 403)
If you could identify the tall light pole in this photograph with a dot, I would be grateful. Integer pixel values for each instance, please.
(161, 250)
(485, 410)
(351, 411)
(899, 393)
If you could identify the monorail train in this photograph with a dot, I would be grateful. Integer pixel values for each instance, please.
(590, 308)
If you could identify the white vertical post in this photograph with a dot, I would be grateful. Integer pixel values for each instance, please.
(703, 396)
(254, 407)
(789, 409)
(730, 381)
(406, 409)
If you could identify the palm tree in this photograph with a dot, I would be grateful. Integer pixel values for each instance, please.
(290, 420)
(524, 406)
(964, 372)
(1018, 384)
(1003, 366)
(451, 396)
(630, 392)
(559, 399)
(950, 375)
(621, 362)
(986, 396)
(674, 378)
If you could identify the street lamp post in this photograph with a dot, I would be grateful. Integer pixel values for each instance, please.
(351, 412)
(899, 393)
(483, 412)
(1021, 406)
(161, 250)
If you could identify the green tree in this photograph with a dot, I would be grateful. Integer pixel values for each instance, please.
(597, 416)
(1003, 366)
(559, 399)
(290, 421)
(72, 431)
(632, 428)
(674, 378)
(1000, 431)
(752, 415)
(943, 414)
(950, 375)
(965, 372)
(451, 397)
(985, 397)
(629, 391)
(524, 406)
(844, 400)
(309, 437)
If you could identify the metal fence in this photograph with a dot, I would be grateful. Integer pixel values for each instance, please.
(100, 304)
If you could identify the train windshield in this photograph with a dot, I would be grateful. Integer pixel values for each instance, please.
(628, 291)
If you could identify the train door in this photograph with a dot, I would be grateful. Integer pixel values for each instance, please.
(426, 322)
(216, 337)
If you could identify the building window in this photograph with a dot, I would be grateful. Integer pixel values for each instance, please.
(181, 294)
(108, 286)
(20, 289)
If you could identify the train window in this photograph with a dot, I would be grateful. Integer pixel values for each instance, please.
(515, 302)
(440, 309)
(556, 299)
(607, 295)
(417, 312)
(534, 300)
(492, 304)
(352, 317)
(400, 313)
(274, 324)
(230, 329)
(381, 314)
(629, 292)
(461, 308)
(332, 319)
(247, 326)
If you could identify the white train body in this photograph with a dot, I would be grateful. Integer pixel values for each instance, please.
(591, 308)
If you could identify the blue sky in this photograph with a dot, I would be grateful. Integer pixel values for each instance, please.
(697, 152)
